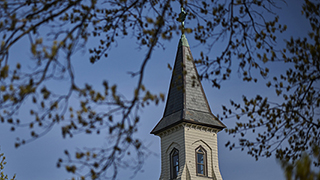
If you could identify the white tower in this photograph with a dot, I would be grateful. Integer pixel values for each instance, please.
(188, 130)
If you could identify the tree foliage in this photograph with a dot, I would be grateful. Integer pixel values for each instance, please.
(295, 118)
(302, 169)
(3, 176)
(56, 30)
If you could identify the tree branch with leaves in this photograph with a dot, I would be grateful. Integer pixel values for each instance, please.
(56, 30)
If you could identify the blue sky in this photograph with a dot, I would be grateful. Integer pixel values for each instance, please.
(37, 160)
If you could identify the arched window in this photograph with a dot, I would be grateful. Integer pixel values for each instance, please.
(174, 158)
(201, 161)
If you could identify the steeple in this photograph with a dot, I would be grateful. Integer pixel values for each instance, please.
(186, 100)
(188, 130)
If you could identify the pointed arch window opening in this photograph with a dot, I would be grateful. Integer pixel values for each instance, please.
(201, 161)
(174, 158)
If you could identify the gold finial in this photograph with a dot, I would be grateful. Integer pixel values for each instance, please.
(182, 17)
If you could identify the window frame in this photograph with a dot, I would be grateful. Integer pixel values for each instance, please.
(204, 153)
(173, 172)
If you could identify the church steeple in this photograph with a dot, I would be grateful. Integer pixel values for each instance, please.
(188, 130)
(186, 100)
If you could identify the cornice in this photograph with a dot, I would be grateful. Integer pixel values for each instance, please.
(182, 125)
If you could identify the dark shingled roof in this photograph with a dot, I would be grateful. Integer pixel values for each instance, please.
(186, 100)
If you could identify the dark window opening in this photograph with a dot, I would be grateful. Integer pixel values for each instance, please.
(201, 163)
(174, 156)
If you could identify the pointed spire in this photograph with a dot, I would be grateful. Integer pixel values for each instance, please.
(186, 100)
(183, 41)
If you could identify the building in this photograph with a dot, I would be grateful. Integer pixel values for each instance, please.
(188, 130)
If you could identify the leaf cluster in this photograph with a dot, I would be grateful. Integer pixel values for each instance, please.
(293, 120)
(3, 176)
(303, 168)
(56, 30)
